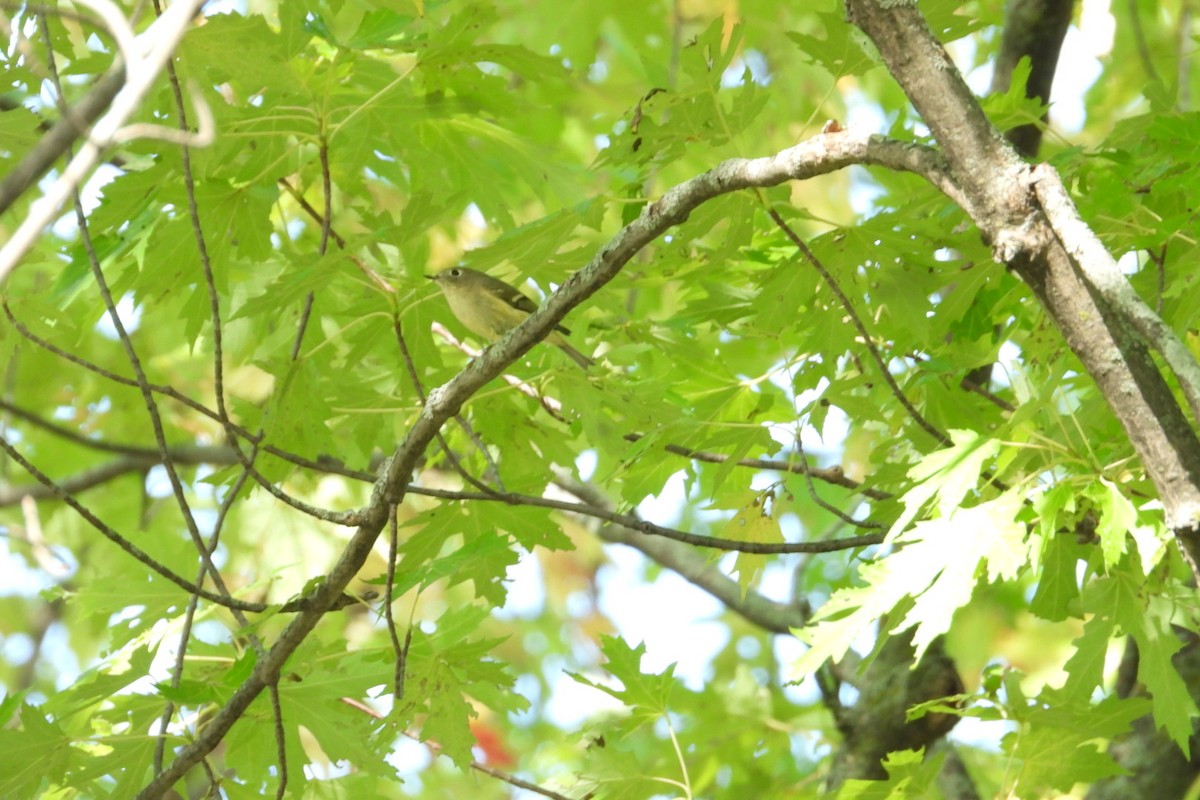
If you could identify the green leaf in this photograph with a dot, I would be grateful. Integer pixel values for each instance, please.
(483, 557)
(1174, 708)
(1057, 593)
(647, 694)
(839, 52)
(1055, 751)
(910, 777)
(946, 474)
(37, 751)
(936, 567)
(1117, 519)
(1085, 667)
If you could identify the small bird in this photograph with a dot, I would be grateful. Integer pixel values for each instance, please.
(490, 308)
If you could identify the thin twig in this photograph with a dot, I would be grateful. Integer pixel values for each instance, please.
(280, 739)
(857, 322)
(508, 778)
(638, 524)
(89, 478)
(693, 565)
(549, 404)
(513, 780)
(388, 599)
(1139, 38)
(131, 353)
(322, 246)
(312, 212)
(830, 475)
(189, 616)
(816, 498)
(326, 465)
(119, 540)
(374, 277)
(69, 435)
(971, 386)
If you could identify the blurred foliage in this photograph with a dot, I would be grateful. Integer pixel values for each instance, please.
(517, 138)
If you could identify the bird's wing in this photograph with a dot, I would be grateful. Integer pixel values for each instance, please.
(518, 300)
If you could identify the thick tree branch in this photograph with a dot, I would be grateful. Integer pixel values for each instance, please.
(877, 723)
(699, 570)
(1033, 30)
(1102, 272)
(1001, 201)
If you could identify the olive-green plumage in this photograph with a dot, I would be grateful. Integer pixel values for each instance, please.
(490, 308)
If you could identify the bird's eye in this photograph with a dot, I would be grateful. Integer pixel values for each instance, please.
(455, 273)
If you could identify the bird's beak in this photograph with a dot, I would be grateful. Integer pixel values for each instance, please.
(432, 277)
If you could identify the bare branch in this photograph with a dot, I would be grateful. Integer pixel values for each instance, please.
(971, 386)
(513, 780)
(816, 498)
(60, 137)
(119, 540)
(831, 475)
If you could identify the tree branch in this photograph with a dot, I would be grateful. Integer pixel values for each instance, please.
(1002, 203)
(73, 124)
(695, 568)
(11, 495)
(1102, 272)
(161, 38)
(1033, 29)
(817, 156)
(642, 526)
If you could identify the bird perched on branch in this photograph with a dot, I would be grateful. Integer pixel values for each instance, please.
(490, 308)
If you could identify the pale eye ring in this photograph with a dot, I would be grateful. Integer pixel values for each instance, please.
(455, 273)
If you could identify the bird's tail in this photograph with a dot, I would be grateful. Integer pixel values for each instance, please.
(579, 358)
